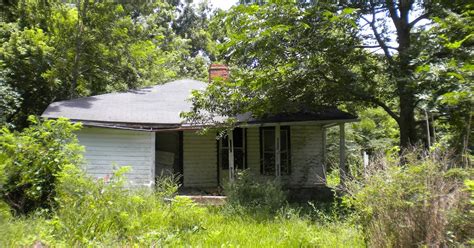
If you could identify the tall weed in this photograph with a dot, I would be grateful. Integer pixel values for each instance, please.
(101, 213)
(247, 194)
(94, 211)
(421, 202)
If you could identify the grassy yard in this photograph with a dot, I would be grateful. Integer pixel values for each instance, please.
(179, 224)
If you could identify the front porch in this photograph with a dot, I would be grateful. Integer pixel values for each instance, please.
(293, 153)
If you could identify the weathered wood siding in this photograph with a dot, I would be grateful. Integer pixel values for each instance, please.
(253, 151)
(199, 159)
(306, 155)
(108, 148)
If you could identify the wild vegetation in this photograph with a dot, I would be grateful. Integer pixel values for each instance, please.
(413, 59)
(54, 50)
(427, 201)
(405, 67)
(102, 212)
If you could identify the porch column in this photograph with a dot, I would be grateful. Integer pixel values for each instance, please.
(323, 155)
(277, 151)
(342, 153)
(230, 138)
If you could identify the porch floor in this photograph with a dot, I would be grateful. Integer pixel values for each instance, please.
(215, 196)
(204, 196)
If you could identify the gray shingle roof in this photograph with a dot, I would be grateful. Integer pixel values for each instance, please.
(160, 104)
(159, 107)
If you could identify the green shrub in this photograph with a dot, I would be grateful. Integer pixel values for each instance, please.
(167, 186)
(31, 160)
(250, 195)
(5, 213)
(98, 211)
(419, 203)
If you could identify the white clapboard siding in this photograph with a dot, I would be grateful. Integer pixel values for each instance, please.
(306, 154)
(108, 149)
(199, 159)
(253, 151)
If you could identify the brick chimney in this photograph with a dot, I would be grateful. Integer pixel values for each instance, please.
(218, 70)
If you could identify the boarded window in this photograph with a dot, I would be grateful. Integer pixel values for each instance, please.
(268, 149)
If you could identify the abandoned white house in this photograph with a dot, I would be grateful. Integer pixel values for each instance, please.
(143, 129)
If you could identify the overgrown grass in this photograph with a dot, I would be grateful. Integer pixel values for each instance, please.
(420, 199)
(105, 214)
(214, 229)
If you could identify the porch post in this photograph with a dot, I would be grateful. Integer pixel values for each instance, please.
(342, 153)
(323, 155)
(277, 151)
(230, 138)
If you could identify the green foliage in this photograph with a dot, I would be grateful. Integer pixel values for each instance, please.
(100, 209)
(53, 50)
(9, 101)
(95, 212)
(422, 202)
(24, 56)
(166, 186)
(31, 161)
(249, 195)
(376, 132)
(446, 64)
(305, 55)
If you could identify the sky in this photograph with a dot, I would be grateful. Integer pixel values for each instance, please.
(222, 4)
(226, 4)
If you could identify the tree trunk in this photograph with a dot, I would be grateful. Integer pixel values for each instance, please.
(404, 75)
(78, 47)
(466, 161)
(407, 123)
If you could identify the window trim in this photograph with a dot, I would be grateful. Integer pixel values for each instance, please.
(288, 131)
(244, 149)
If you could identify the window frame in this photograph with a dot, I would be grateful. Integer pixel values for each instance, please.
(288, 150)
(222, 147)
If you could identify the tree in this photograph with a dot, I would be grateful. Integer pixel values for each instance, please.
(192, 25)
(52, 50)
(31, 161)
(446, 64)
(291, 55)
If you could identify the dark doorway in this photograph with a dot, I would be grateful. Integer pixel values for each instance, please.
(169, 154)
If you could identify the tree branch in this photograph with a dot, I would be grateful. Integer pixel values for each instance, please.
(379, 38)
(386, 108)
(393, 12)
(419, 18)
(375, 46)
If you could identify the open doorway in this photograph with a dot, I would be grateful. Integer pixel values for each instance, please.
(169, 154)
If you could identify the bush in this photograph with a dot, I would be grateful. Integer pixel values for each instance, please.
(251, 195)
(31, 160)
(103, 213)
(419, 203)
(99, 211)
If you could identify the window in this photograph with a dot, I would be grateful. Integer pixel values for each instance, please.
(267, 148)
(239, 150)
